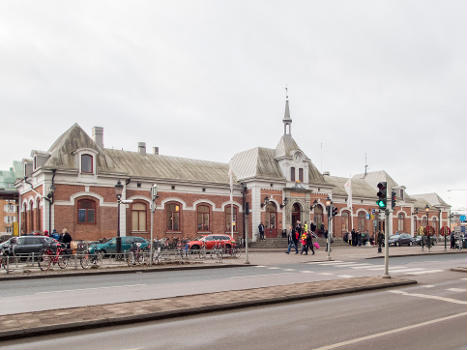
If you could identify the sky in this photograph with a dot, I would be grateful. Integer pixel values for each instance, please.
(206, 79)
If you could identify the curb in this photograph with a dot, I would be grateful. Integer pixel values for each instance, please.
(414, 254)
(92, 324)
(109, 271)
(459, 269)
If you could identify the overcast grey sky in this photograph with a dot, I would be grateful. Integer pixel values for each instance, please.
(205, 79)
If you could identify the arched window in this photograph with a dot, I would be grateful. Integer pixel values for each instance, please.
(271, 216)
(38, 215)
(86, 211)
(173, 217)
(415, 223)
(300, 174)
(228, 218)
(346, 221)
(425, 221)
(203, 219)
(24, 222)
(400, 222)
(86, 163)
(138, 217)
(292, 174)
(362, 221)
(31, 215)
(318, 216)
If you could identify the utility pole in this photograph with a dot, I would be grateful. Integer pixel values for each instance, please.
(153, 210)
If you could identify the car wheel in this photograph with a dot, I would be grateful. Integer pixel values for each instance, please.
(410, 244)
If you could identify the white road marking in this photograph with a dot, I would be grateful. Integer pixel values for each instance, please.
(91, 288)
(392, 331)
(260, 266)
(306, 271)
(273, 268)
(326, 273)
(325, 262)
(426, 296)
(288, 270)
(464, 279)
(456, 290)
(427, 286)
(345, 276)
(364, 267)
(406, 270)
(331, 263)
(424, 272)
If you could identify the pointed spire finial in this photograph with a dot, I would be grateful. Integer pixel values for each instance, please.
(286, 92)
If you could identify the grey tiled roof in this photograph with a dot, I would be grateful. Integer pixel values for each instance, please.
(432, 199)
(134, 164)
(360, 188)
(286, 146)
(258, 162)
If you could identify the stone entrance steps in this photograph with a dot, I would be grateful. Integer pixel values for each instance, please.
(273, 243)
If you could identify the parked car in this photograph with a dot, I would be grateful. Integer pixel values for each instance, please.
(400, 239)
(26, 245)
(110, 246)
(418, 240)
(211, 241)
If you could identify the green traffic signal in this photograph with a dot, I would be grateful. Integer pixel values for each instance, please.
(381, 203)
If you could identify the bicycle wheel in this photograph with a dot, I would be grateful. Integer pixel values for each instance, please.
(237, 252)
(140, 258)
(98, 258)
(131, 259)
(63, 261)
(84, 261)
(45, 261)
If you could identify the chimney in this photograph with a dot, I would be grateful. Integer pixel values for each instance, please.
(98, 135)
(155, 150)
(142, 148)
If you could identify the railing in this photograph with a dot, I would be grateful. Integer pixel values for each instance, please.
(85, 260)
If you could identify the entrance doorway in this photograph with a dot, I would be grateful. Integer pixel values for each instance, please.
(295, 214)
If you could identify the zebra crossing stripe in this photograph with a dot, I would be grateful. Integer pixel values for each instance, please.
(405, 270)
(424, 272)
(455, 290)
(326, 262)
(363, 267)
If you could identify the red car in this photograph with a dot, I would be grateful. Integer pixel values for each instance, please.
(212, 241)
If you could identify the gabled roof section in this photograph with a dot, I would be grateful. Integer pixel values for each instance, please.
(135, 164)
(374, 177)
(432, 199)
(314, 176)
(257, 162)
(61, 151)
(286, 147)
(360, 188)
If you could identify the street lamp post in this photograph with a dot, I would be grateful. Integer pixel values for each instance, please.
(329, 210)
(154, 196)
(118, 194)
(50, 199)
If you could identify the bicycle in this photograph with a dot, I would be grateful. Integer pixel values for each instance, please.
(136, 255)
(87, 259)
(49, 258)
(4, 261)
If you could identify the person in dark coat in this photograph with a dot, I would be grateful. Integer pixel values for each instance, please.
(292, 240)
(380, 240)
(309, 240)
(261, 231)
(66, 238)
(354, 237)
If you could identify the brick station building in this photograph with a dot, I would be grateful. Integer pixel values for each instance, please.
(72, 185)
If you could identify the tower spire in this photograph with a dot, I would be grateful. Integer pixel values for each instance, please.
(287, 120)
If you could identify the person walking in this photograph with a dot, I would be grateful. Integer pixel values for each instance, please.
(380, 241)
(309, 241)
(303, 241)
(354, 237)
(261, 231)
(359, 238)
(66, 238)
(292, 240)
(453, 240)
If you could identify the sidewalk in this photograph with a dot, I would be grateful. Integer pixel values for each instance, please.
(15, 326)
(256, 257)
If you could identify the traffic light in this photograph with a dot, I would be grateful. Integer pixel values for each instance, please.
(334, 211)
(382, 194)
(393, 199)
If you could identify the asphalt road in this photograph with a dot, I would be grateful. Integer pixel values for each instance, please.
(430, 315)
(48, 293)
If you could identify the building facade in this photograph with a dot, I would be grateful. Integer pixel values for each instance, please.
(72, 185)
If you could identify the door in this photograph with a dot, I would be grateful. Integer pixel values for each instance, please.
(271, 220)
(295, 214)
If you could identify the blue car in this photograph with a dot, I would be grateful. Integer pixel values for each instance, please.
(110, 247)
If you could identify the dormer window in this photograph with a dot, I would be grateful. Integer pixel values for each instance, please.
(87, 164)
(292, 174)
